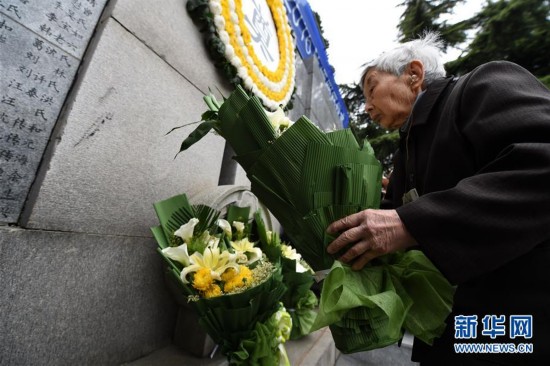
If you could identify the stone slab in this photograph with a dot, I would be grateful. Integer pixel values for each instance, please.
(170, 32)
(65, 24)
(316, 349)
(388, 356)
(78, 299)
(113, 159)
(41, 44)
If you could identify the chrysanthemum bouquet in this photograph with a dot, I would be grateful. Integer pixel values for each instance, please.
(217, 266)
(308, 179)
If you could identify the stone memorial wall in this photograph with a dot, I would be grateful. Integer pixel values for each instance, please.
(41, 47)
(88, 90)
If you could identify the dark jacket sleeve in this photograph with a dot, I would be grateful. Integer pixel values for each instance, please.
(502, 211)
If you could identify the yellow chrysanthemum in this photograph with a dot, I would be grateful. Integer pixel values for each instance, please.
(238, 280)
(213, 291)
(229, 274)
(203, 279)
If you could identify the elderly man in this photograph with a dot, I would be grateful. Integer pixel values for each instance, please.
(471, 189)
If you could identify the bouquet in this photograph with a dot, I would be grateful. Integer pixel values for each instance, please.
(308, 179)
(216, 266)
(298, 299)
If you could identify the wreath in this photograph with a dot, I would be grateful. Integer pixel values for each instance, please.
(229, 37)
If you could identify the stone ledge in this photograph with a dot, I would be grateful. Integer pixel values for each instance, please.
(316, 349)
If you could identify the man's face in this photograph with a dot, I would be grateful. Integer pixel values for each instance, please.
(388, 98)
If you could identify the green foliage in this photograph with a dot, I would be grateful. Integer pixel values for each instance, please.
(545, 80)
(321, 30)
(513, 30)
(423, 15)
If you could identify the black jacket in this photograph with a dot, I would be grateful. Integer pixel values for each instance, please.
(477, 149)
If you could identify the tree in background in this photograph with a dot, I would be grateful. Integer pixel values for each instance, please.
(513, 30)
(425, 15)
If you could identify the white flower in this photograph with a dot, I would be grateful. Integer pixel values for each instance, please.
(214, 260)
(283, 321)
(239, 226)
(300, 268)
(212, 241)
(179, 254)
(186, 231)
(290, 253)
(279, 120)
(224, 225)
(219, 22)
(244, 246)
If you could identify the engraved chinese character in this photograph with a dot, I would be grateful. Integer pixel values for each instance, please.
(40, 113)
(32, 57)
(6, 154)
(38, 44)
(8, 100)
(53, 84)
(3, 25)
(19, 123)
(14, 9)
(32, 93)
(46, 30)
(13, 138)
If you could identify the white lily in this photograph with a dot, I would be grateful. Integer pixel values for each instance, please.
(244, 246)
(279, 120)
(213, 241)
(186, 230)
(214, 260)
(290, 253)
(300, 268)
(179, 254)
(239, 226)
(225, 226)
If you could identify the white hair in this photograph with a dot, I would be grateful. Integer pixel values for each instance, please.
(426, 49)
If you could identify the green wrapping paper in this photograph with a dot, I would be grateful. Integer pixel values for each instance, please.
(308, 179)
(370, 308)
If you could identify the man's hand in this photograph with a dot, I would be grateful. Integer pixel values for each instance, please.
(371, 233)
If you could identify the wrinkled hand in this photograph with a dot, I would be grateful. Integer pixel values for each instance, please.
(372, 232)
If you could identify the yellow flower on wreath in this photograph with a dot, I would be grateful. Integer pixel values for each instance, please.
(273, 87)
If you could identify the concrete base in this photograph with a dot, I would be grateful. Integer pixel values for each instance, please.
(316, 349)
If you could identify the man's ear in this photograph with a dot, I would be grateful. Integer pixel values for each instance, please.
(415, 71)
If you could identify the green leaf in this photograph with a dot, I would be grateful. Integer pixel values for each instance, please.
(185, 125)
(209, 116)
(198, 134)
(207, 218)
(236, 213)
